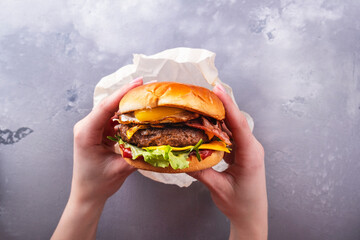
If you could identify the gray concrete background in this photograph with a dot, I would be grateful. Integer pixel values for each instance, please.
(293, 65)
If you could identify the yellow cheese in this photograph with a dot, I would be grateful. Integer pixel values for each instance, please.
(209, 134)
(214, 145)
(181, 148)
(156, 114)
(130, 132)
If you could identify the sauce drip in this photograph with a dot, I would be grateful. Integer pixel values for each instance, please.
(127, 153)
(204, 153)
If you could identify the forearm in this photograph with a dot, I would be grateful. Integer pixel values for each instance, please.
(79, 220)
(249, 219)
(251, 224)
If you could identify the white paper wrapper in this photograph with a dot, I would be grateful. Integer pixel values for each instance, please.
(186, 65)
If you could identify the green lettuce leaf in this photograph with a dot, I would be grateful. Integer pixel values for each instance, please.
(178, 160)
(161, 157)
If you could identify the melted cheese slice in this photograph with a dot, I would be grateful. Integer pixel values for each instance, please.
(130, 132)
(156, 114)
(214, 145)
(209, 134)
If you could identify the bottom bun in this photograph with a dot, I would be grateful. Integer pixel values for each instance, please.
(194, 164)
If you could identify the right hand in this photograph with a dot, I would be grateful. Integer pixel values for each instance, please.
(240, 191)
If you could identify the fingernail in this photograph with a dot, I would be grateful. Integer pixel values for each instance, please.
(152, 81)
(136, 80)
(220, 87)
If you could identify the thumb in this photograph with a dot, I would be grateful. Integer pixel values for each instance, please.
(212, 179)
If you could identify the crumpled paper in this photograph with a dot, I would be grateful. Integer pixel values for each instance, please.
(186, 65)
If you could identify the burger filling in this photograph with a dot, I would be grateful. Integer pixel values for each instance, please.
(166, 136)
(173, 136)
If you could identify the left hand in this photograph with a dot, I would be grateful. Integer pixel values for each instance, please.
(98, 171)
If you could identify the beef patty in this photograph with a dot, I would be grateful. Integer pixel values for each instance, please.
(173, 136)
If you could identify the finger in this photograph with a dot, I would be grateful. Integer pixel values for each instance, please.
(122, 166)
(229, 157)
(109, 131)
(98, 118)
(152, 81)
(106, 109)
(119, 167)
(237, 122)
(212, 179)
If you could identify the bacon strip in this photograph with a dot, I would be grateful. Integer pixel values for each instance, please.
(204, 124)
(225, 128)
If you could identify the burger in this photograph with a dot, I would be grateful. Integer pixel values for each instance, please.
(171, 127)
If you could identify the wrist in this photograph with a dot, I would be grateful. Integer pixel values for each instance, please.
(79, 220)
(85, 204)
(85, 195)
(247, 230)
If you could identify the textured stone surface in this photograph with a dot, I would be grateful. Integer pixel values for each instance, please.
(293, 65)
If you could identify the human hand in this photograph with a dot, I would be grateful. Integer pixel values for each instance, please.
(98, 172)
(240, 191)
